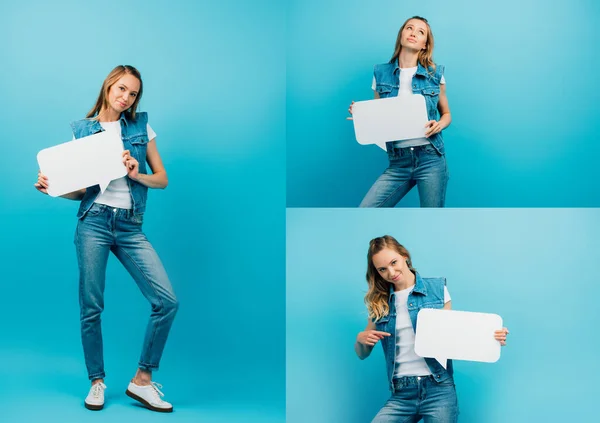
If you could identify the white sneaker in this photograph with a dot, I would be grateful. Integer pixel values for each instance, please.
(95, 398)
(150, 396)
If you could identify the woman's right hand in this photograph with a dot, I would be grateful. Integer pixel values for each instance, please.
(350, 111)
(42, 183)
(370, 337)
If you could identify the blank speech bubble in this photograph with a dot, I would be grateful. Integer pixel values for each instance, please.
(389, 119)
(82, 163)
(460, 335)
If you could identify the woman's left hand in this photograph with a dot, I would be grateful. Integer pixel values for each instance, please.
(131, 164)
(433, 127)
(500, 335)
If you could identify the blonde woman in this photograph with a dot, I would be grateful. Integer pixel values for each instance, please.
(420, 161)
(421, 388)
(112, 222)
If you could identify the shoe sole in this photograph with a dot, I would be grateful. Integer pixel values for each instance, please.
(147, 404)
(93, 407)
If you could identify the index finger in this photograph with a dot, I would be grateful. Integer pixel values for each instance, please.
(378, 332)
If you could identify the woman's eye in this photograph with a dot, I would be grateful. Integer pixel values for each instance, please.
(395, 261)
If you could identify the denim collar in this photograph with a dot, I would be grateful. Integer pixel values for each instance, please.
(419, 286)
(420, 69)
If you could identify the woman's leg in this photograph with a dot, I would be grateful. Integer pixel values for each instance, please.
(438, 401)
(431, 175)
(400, 408)
(395, 182)
(139, 258)
(92, 241)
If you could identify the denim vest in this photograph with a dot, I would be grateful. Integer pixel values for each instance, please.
(135, 139)
(387, 79)
(427, 293)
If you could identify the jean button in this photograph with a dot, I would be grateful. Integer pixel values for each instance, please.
(115, 210)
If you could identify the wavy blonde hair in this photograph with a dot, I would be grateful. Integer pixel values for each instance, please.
(114, 76)
(377, 296)
(425, 56)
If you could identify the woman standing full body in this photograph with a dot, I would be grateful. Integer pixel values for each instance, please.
(112, 222)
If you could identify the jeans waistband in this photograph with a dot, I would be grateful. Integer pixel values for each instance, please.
(402, 382)
(113, 210)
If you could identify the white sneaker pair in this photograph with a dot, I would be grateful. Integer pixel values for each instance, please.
(149, 395)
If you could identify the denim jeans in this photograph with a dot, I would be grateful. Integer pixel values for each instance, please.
(106, 229)
(422, 166)
(417, 398)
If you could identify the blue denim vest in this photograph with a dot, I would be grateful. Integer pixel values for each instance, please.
(427, 293)
(135, 139)
(387, 79)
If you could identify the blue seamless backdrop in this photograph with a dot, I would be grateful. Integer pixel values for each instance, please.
(522, 132)
(214, 89)
(537, 269)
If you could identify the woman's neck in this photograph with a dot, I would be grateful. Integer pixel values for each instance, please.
(408, 58)
(106, 115)
(410, 281)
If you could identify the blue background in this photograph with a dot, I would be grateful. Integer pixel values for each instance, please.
(520, 86)
(537, 269)
(214, 80)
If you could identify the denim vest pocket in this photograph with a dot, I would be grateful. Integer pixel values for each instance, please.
(433, 304)
(139, 146)
(384, 90)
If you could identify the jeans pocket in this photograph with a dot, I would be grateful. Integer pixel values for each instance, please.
(136, 219)
(430, 149)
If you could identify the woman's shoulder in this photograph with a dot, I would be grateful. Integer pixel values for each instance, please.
(437, 282)
(384, 66)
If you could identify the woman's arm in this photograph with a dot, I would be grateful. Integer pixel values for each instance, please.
(444, 108)
(158, 178)
(366, 340)
(42, 186)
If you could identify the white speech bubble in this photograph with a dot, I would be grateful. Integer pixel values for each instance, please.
(460, 335)
(82, 163)
(389, 119)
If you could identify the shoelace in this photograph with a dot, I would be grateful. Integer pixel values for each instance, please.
(157, 391)
(97, 388)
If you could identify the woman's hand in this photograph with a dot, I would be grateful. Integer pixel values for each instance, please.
(131, 164)
(42, 183)
(350, 111)
(500, 335)
(433, 128)
(370, 337)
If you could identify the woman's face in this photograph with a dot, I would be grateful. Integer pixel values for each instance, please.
(414, 35)
(392, 266)
(123, 93)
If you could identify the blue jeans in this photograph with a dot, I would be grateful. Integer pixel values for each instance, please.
(422, 166)
(106, 229)
(417, 398)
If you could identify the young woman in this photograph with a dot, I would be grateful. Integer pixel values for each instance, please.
(421, 387)
(112, 222)
(420, 161)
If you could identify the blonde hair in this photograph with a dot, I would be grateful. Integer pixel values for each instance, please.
(377, 296)
(111, 79)
(425, 56)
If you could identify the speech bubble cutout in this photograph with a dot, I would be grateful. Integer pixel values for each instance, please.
(82, 163)
(460, 335)
(389, 119)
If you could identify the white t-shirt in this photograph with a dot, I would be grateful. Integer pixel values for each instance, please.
(408, 363)
(117, 193)
(406, 76)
